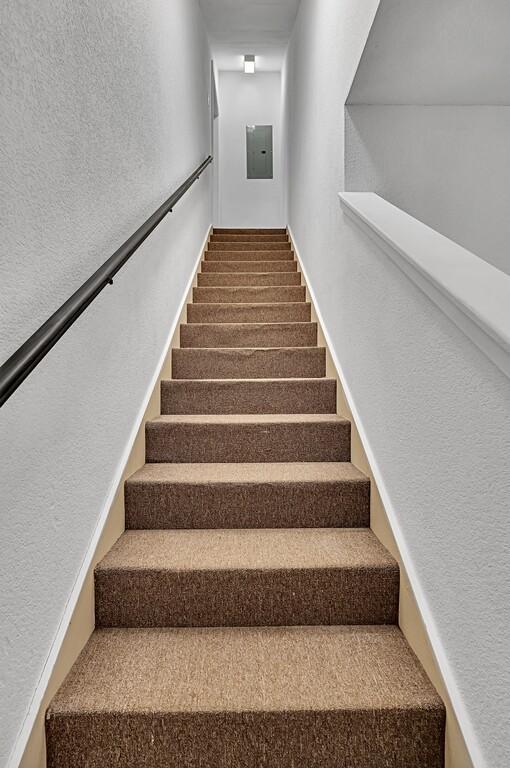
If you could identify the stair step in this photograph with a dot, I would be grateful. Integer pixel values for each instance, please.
(288, 312)
(246, 578)
(237, 231)
(276, 697)
(238, 335)
(248, 396)
(283, 246)
(248, 238)
(230, 255)
(281, 363)
(217, 438)
(268, 495)
(282, 265)
(248, 278)
(249, 294)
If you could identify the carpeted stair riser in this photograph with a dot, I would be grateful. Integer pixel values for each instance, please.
(216, 439)
(260, 697)
(249, 295)
(289, 312)
(239, 335)
(231, 255)
(284, 247)
(209, 279)
(296, 363)
(285, 265)
(244, 578)
(248, 396)
(167, 496)
(219, 238)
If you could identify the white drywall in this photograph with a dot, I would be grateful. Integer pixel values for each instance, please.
(429, 118)
(434, 411)
(436, 52)
(103, 112)
(447, 166)
(248, 100)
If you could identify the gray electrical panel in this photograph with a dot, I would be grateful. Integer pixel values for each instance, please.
(259, 151)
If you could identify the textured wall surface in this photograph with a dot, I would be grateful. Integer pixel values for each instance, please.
(437, 52)
(446, 166)
(248, 100)
(103, 112)
(435, 411)
(428, 122)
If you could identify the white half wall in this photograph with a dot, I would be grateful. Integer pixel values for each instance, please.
(248, 100)
(434, 410)
(429, 118)
(103, 112)
(447, 166)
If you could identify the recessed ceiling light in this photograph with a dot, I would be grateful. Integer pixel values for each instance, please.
(249, 65)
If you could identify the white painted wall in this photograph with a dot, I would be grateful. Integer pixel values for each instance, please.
(428, 119)
(447, 166)
(438, 52)
(103, 112)
(434, 410)
(248, 100)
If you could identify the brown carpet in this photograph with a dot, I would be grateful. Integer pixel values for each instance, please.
(289, 312)
(277, 265)
(209, 279)
(248, 335)
(283, 495)
(247, 616)
(283, 363)
(248, 396)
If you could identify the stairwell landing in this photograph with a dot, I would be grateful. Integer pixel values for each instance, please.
(248, 616)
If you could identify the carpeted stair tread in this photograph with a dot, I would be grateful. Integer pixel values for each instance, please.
(207, 279)
(248, 549)
(277, 265)
(253, 495)
(276, 697)
(291, 472)
(246, 577)
(261, 312)
(250, 295)
(239, 335)
(214, 438)
(248, 256)
(283, 246)
(281, 363)
(248, 396)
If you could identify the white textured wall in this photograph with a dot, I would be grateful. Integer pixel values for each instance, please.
(103, 112)
(436, 52)
(248, 100)
(428, 124)
(435, 411)
(447, 166)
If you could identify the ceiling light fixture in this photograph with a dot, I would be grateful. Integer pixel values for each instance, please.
(249, 65)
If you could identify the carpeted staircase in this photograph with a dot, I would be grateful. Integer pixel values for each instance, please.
(247, 618)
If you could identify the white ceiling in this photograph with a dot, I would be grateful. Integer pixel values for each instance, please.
(261, 27)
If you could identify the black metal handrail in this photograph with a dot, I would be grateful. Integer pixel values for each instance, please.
(16, 369)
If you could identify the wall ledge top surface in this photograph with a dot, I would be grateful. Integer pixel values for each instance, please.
(472, 292)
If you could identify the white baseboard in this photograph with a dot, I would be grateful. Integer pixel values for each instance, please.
(30, 718)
